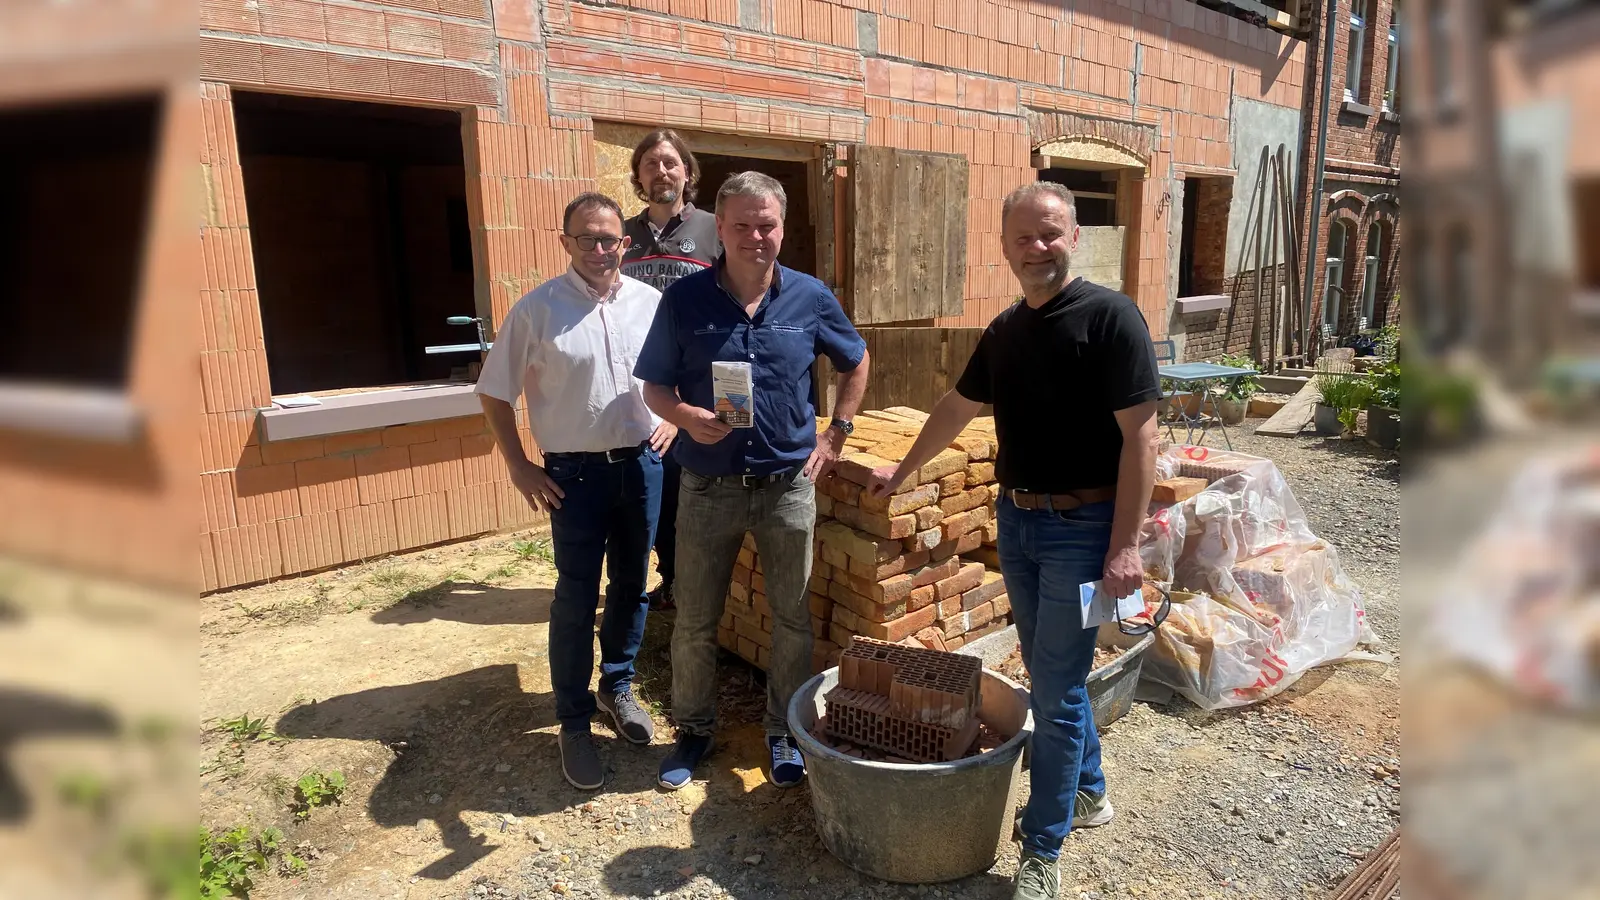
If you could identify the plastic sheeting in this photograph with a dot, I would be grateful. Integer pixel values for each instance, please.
(1257, 598)
(1524, 599)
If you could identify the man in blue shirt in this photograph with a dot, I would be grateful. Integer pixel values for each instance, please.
(747, 309)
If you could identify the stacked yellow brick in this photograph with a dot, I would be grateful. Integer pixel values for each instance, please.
(902, 568)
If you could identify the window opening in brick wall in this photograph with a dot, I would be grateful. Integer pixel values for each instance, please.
(1441, 49)
(1333, 283)
(1355, 52)
(1094, 193)
(1391, 84)
(1369, 277)
(75, 189)
(799, 250)
(1586, 218)
(362, 245)
(1203, 243)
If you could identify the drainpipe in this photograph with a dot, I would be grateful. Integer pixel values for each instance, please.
(1315, 212)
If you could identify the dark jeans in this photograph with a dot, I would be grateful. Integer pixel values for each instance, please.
(608, 515)
(714, 516)
(667, 526)
(1044, 556)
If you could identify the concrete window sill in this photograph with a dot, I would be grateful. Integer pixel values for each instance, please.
(1390, 116)
(1203, 303)
(1354, 108)
(92, 414)
(370, 409)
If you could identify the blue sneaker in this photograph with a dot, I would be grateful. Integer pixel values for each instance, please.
(788, 768)
(678, 768)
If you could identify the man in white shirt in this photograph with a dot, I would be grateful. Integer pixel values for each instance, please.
(569, 347)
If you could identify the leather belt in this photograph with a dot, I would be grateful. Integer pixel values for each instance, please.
(750, 481)
(620, 454)
(1060, 502)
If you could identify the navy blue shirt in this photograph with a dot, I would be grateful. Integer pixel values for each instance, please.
(699, 322)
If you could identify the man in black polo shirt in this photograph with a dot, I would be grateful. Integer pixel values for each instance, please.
(1071, 372)
(670, 239)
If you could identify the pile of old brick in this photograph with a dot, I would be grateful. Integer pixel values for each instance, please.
(901, 704)
(917, 567)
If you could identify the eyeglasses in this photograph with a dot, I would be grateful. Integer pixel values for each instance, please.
(587, 242)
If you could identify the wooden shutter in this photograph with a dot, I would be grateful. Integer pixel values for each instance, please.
(906, 223)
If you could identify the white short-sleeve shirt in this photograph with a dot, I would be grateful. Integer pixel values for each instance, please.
(571, 353)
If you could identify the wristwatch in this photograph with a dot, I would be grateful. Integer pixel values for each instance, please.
(844, 425)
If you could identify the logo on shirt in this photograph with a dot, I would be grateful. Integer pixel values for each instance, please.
(687, 245)
(661, 271)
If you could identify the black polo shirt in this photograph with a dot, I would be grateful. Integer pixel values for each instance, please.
(685, 246)
(1056, 376)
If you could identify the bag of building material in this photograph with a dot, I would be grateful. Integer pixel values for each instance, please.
(1257, 597)
(1523, 602)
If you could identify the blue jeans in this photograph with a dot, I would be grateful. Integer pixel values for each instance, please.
(667, 528)
(608, 515)
(1044, 556)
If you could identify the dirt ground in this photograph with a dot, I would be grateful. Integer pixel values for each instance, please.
(423, 679)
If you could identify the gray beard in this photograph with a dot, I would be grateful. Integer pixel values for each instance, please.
(665, 196)
(1059, 278)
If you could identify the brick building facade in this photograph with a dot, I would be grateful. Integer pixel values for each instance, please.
(370, 169)
(1358, 235)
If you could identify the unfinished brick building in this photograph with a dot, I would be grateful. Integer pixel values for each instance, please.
(372, 168)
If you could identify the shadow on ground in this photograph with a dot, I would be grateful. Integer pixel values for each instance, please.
(446, 742)
(26, 714)
(470, 603)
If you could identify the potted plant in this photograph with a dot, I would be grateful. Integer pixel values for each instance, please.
(1383, 408)
(1236, 393)
(1341, 399)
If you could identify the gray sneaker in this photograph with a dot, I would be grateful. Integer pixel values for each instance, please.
(1091, 810)
(580, 761)
(1037, 879)
(632, 722)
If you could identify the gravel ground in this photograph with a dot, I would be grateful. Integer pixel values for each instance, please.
(1272, 801)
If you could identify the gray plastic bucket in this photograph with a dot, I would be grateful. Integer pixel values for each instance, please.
(1112, 686)
(915, 824)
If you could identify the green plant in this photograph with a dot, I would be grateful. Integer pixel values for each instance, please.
(161, 857)
(316, 789)
(538, 548)
(243, 729)
(1384, 382)
(87, 791)
(1345, 393)
(229, 861)
(1241, 388)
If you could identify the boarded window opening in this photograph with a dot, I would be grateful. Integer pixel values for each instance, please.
(1094, 193)
(799, 250)
(358, 223)
(75, 187)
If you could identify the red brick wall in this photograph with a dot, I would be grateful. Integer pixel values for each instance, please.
(123, 509)
(1209, 335)
(1363, 164)
(989, 80)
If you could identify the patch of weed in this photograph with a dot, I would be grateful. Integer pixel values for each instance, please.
(507, 571)
(230, 861)
(244, 729)
(538, 548)
(87, 791)
(316, 789)
(161, 857)
(277, 787)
